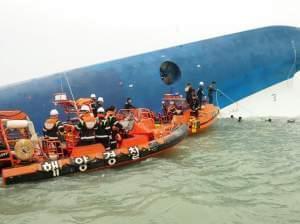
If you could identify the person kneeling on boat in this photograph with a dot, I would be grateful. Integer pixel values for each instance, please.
(53, 128)
(172, 109)
(86, 126)
(103, 129)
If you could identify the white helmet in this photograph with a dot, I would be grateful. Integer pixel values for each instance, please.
(85, 108)
(100, 110)
(163, 102)
(100, 99)
(93, 96)
(54, 112)
(201, 83)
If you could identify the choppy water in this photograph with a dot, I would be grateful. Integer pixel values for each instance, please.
(245, 172)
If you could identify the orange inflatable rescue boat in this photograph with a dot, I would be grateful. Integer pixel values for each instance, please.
(26, 157)
(176, 110)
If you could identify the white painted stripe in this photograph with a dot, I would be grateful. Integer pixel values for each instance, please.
(280, 100)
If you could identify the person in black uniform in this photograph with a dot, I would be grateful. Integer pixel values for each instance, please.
(103, 129)
(97, 104)
(195, 103)
(188, 94)
(128, 104)
(116, 128)
(200, 94)
(53, 128)
(164, 107)
(94, 103)
(211, 91)
(86, 126)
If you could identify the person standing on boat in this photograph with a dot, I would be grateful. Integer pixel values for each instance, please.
(86, 126)
(115, 126)
(128, 105)
(97, 104)
(200, 94)
(188, 94)
(211, 91)
(53, 128)
(100, 101)
(195, 103)
(94, 103)
(102, 129)
(164, 107)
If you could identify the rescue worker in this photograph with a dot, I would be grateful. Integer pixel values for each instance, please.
(194, 103)
(172, 109)
(103, 129)
(53, 128)
(86, 126)
(93, 97)
(111, 109)
(188, 91)
(94, 103)
(200, 94)
(211, 91)
(164, 107)
(128, 104)
(99, 103)
(116, 128)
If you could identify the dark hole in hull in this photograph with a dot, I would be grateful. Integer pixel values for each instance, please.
(169, 72)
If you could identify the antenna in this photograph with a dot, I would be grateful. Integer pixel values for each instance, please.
(71, 92)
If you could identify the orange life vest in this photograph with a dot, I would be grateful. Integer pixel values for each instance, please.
(89, 120)
(50, 123)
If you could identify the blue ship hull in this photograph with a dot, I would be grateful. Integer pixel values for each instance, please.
(241, 64)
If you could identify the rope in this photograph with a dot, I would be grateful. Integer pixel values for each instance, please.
(217, 101)
(234, 102)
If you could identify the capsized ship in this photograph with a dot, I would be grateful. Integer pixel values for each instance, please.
(251, 63)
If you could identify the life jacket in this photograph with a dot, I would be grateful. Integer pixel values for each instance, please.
(86, 126)
(112, 120)
(103, 128)
(51, 127)
(89, 120)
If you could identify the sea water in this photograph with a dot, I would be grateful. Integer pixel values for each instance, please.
(236, 172)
